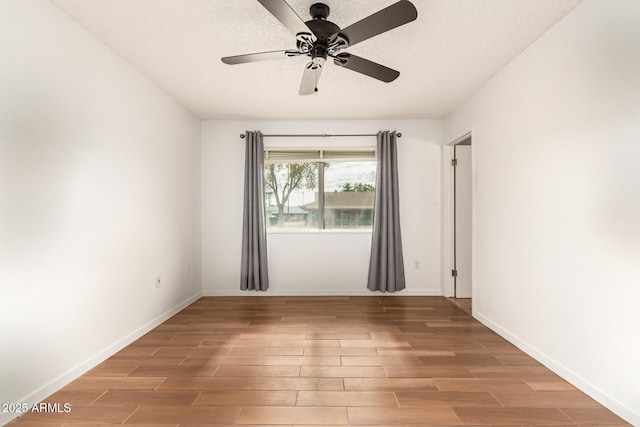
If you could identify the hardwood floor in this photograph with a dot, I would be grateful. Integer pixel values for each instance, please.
(463, 303)
(290, 361)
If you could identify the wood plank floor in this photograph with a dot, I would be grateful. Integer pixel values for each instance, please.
(463, 304)
(322, 361)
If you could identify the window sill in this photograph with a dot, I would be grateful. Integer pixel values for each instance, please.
(316, 231)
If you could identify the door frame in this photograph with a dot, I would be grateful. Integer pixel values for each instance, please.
(448, 224)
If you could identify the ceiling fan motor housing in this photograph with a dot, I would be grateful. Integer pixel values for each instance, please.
(326, 32)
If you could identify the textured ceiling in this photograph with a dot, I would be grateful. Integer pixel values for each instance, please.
(447, 53)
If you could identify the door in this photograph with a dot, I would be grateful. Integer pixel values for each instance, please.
(462, 220)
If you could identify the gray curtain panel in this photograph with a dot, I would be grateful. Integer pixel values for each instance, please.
(386, 267)
(254, 274)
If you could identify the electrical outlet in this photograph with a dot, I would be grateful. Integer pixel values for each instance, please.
(158, 282)
(416, 264)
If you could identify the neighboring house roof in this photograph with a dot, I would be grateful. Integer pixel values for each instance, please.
(344, 200)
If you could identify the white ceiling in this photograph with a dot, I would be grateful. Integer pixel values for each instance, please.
(444, 56)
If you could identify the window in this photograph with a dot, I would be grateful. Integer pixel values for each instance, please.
(289, 188)
(320, 189)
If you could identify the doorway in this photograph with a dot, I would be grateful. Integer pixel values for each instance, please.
(462, 182)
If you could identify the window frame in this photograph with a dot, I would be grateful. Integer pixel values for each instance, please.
(320, 156)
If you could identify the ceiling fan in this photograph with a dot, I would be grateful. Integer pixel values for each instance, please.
(319, 39)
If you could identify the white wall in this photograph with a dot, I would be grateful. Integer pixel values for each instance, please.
(320, 263)
(99, 194)
(556, 145)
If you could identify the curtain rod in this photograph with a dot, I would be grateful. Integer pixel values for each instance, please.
(320, 135)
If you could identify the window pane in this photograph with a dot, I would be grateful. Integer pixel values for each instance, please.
(291, 195)
(349, 195)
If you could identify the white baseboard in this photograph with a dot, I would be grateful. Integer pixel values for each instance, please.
(321, 292)
(73, 373)
(567, 374)
(623, 411)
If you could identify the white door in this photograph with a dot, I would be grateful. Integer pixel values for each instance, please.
(463, 205)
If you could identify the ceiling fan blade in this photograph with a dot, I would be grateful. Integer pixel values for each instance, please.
(287, 17)
(366, 67)
(387, 19)
(261, 56)
(311, 76)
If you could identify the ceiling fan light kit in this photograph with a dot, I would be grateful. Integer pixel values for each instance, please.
(319, 38)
